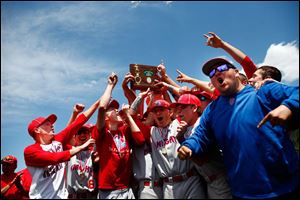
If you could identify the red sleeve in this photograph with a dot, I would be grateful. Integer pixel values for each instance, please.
(137, 137)
(216, 93)
(26, 179)
(35, 156)
(67, 147)
(65, 135)
(249, 67)
(144, 129)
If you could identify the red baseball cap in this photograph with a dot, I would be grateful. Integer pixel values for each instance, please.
(189, 99)
(38, 121)
(159, 103)
(86, 127)
(114, 103)
(10, 159)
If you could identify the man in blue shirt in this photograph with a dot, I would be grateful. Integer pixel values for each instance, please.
(250, 128)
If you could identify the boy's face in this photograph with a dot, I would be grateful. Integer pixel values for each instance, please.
(256, 77)
(186, 112)
(82, 136)
(113, 116)
(46, 130)
(162, 116)
(9, 167)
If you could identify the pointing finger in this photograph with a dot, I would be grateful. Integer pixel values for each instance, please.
(179, 72)
(212, 33)
(264, 120)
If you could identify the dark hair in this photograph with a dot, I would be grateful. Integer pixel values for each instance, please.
(270, 72)
(243, 78)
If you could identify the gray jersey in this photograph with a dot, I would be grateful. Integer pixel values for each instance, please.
(165, 157)
(80, 176)
(143, 167)
(144, 170)
(164, 151)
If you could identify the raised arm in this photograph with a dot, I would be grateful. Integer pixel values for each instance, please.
(165, 78)
(111, 83)
(138, 100)
(198, 83)
(78, 108)
(129, 93)
(216, 42)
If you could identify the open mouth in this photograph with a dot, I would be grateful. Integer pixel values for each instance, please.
(160, 118)
(220, 80)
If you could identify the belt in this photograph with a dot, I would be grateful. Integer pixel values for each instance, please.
(153, 183)
(179, 178)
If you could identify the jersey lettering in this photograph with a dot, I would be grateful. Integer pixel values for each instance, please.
(52, 169)
(81, 168)
(162, 143)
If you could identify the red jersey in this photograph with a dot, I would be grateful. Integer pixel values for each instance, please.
(14, 192)
(113, 147)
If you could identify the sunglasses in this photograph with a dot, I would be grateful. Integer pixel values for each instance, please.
(221, 68)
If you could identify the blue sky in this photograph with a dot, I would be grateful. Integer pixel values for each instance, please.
(56, 54)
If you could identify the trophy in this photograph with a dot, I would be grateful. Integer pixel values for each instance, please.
(144, 76)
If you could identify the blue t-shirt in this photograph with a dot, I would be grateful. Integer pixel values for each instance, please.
(261, 163)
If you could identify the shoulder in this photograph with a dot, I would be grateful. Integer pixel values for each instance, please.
(32, 147)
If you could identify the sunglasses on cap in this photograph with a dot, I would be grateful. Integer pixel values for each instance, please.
(221, 68)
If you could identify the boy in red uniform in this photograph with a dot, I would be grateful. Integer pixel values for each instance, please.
(113, 141)
(14, 185)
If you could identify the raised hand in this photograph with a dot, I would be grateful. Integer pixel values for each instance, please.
(145, 93)
(125, 109)
(128, 77)
(162, 85)
(213, 40)
(161, 69)
(113, 79)
(78, 107)
(87, 143)
(182, 77)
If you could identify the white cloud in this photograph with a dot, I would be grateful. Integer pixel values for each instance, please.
(39, 65)
(168, 2)
(155, 4)
(284, 56)
(135, 3)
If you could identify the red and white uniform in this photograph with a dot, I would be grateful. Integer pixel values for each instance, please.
(46, 164)
(113, 147)
(164, 153)
(80, 175)
(14, 192)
